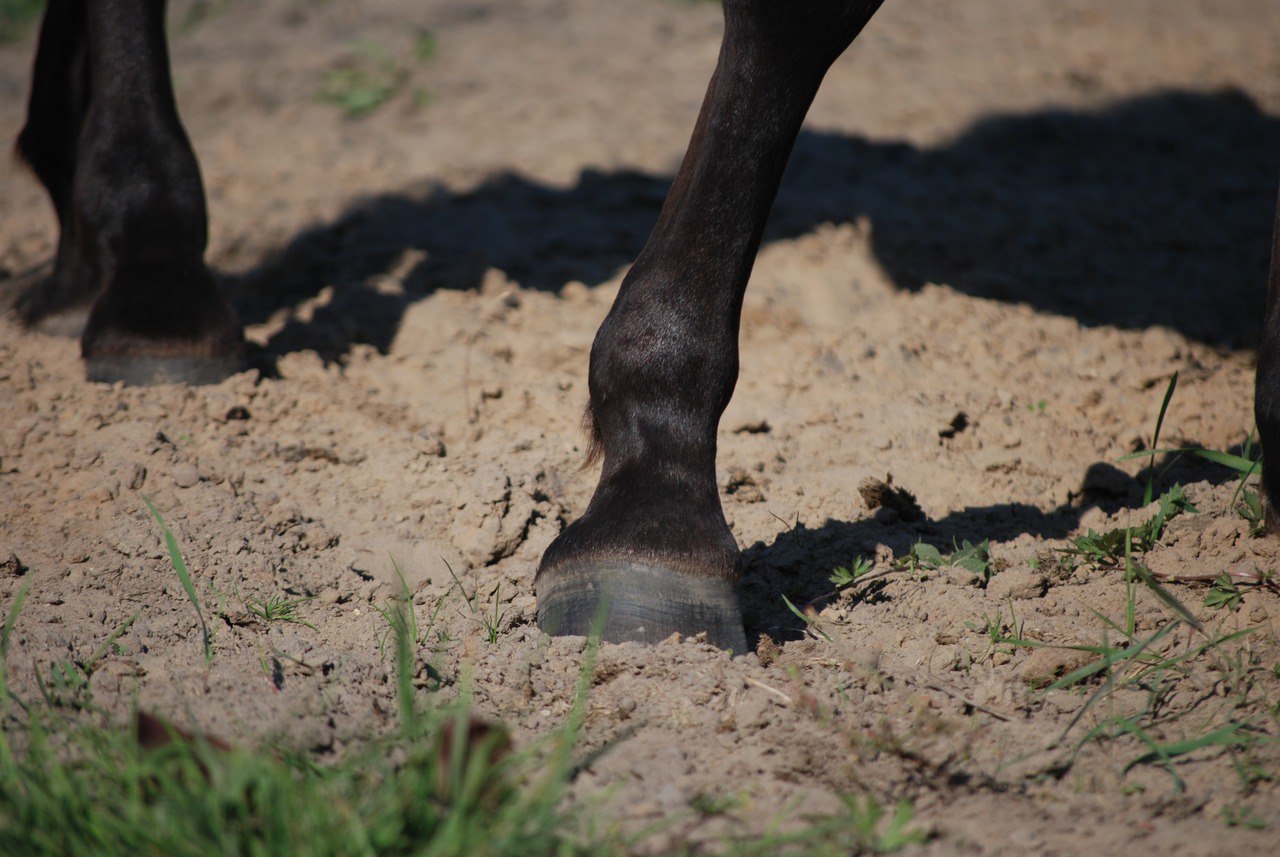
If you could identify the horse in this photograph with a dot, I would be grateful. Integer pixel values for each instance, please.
(653, 554)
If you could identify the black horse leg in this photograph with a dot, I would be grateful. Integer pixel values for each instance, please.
(1266, 399)
(55, 115)
(653, 554)
(139, 214)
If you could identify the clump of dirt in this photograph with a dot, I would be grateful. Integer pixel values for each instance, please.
(1028, 214)
(881, 494)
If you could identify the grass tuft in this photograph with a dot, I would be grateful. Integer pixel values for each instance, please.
(1109, 549)
(180, 566)
(370, 75)
(442, 783)
(975, 559)
(277, 608)
(489, 618)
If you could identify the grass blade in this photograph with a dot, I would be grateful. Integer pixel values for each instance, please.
(806, 620)
(9, 622)
(1164, 754)
(105, 649)
(12, 619)
(1144, 574)
(1157, 754)
(1223, 736)
(1238, 463)
(180, 566)
(1147, 453)
(1155, 439)
(1111, 658)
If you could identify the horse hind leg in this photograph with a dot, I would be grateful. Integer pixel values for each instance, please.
(104, 137)
(56, 302)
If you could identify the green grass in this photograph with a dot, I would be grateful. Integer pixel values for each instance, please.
(437, 784)
(1156, 665)
(1245, 501)
(809, 624)
(6, 631)
(860, 577)
(17, 17)
(863, 826)
(1109, 549)
(87, 790)
(371, 74)
(491, 617)
(842, 577)
(1149, 491)
(67, 684)
(975, 559)
(434, 786)
(180, 566)
(71, 786)
(277, 608)
(1165, 667)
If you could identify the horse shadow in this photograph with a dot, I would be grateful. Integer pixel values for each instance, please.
(798, 562)
(1155, 210)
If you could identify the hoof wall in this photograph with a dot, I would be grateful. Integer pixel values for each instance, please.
(634, 602)
(147, 371)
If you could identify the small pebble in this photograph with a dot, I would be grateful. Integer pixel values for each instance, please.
(185, 475)
(428, 443)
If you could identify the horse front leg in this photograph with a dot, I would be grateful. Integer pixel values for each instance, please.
(653, 554)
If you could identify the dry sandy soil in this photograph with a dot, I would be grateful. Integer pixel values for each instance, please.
(1028, 213)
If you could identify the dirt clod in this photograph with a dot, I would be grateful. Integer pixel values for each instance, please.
(882, 494)
(1016, 583)
(185, 475)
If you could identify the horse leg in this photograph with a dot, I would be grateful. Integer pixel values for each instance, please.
(139, 214)
(1266, 399)
(653, 554)
(47, 143)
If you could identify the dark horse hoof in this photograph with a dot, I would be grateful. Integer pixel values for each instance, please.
(146, 371)
(632, 601)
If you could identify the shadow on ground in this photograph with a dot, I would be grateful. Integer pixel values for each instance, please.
(799, 561)
(1154, 211)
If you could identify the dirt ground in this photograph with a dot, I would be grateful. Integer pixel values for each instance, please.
(1026, 213)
